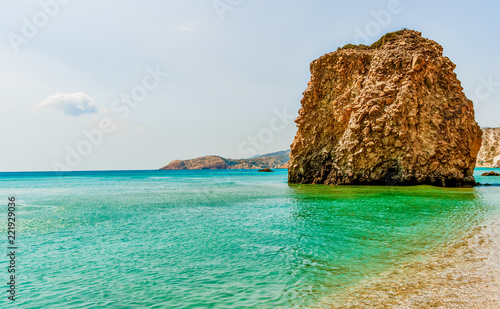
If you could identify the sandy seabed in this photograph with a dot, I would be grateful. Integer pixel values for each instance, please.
(465, 275)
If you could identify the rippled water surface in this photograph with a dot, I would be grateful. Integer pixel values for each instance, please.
(220, 239)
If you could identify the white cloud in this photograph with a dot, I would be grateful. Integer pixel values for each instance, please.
(71, 104)
(187, 27)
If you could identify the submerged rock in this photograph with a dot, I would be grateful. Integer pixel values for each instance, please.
(393, 113)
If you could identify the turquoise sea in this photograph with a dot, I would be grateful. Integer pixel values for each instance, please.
(219, 238)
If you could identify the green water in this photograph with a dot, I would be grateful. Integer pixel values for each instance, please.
(219, 239)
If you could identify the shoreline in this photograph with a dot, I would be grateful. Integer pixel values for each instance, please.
(465, 275)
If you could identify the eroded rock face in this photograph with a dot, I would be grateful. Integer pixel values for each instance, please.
(489, 155)
(393, 113)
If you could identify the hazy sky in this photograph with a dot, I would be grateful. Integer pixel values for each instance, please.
(89, 85)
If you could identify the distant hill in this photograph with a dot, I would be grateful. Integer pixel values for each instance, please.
(271, 160)
(273, 154)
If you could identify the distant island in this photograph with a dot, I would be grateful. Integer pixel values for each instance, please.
(275, 160)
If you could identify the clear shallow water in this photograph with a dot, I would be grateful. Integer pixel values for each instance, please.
(220, 239)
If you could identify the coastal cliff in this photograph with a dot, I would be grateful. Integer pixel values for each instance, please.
(271, 160)
(391, 113)
(489, 155)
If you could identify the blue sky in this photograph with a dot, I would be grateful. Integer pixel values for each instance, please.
(90, 85)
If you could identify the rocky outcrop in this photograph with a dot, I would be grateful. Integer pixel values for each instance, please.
(272, 160)
(266, 170)
(489, 155)
(492, 173)
(392, 113)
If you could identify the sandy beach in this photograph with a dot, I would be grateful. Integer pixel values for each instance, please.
(465, 275)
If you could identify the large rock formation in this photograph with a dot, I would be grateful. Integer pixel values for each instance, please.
(489, 155)
(270, 160)
(392, 113)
